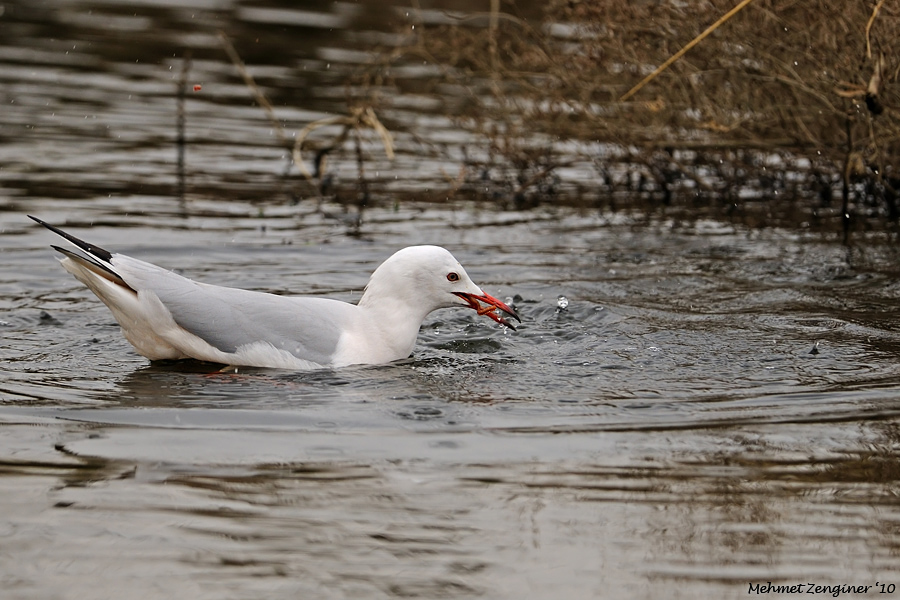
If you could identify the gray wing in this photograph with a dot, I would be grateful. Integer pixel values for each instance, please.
(227, 318)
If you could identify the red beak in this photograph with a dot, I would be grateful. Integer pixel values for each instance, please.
(491, 305)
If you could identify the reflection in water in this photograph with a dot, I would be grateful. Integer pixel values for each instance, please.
(737, 508)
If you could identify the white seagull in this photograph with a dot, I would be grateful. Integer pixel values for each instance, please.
(168, 317)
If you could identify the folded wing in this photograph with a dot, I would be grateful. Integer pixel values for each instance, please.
(232, 319)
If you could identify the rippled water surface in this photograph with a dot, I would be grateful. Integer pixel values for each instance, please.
(714, 407)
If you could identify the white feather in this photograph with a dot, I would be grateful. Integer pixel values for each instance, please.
(167, 316)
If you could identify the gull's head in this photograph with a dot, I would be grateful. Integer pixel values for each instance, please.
(427, 278)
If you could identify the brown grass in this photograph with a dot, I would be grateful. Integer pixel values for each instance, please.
(791, 101)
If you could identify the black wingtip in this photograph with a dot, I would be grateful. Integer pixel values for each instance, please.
(91, 249)
(80, 258)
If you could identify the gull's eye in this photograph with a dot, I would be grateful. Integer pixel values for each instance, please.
(452, 276)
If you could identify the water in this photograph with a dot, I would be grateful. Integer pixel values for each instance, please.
(714, 406)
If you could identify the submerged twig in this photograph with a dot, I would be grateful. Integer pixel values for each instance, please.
(358, 119)
(251, 83)
(180, 125)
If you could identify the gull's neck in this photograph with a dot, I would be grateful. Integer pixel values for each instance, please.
(395, 322)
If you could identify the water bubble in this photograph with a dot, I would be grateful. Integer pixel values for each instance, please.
(562, 303)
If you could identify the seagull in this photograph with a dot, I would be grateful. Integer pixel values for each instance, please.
(169, 317)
